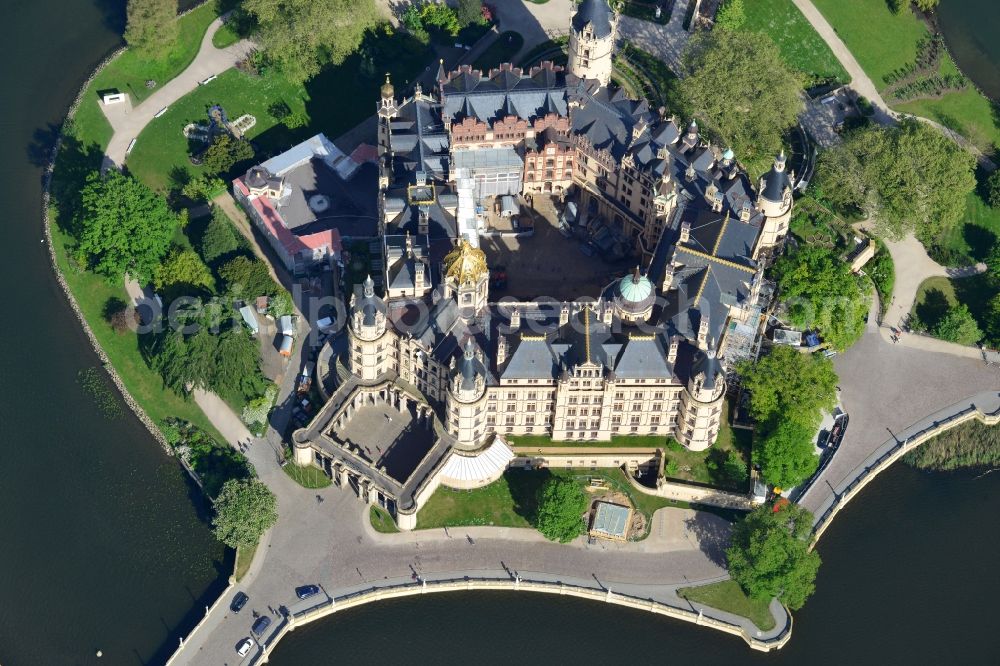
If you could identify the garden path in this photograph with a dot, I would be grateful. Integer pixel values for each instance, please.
(209, 62)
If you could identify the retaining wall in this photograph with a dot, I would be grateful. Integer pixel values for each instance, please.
(885, 456)
(467, 584)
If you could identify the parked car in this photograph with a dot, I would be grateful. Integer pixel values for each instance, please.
(261, 625)
(243, 647)
(306, 591)
(587, 249)
(239, 601)
(499, 278)
(565, 230)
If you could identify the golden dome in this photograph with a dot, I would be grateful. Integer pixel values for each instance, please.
(387, 90)
(465, 264)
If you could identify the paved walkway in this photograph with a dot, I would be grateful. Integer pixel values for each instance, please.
(888, 388)
(322, 538)
(913, 266)
(666, 42)
(210, 61)
(864, 85)
(222, 416)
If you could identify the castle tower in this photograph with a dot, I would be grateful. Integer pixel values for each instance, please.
(387, 110)
(465, 403)
(592, 33)
(701, 402)
(468, 278)
(370, 355)
(774, 199)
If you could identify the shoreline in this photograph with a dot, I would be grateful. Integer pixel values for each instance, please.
(466, 584)
(131, 403)
(376, 594)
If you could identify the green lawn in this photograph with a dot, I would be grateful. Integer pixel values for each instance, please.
(382, 521)
(801, 46)
(129, 73)
(244, 557)
(936, 295)
(224, 36)
(511, 500)
(161, 150)
(308, 476)
(334, 101)
(507, 502)
(728, 596)
(972, 239)
(502, 50)
(145, 385)
(881, 41)
(967, 112)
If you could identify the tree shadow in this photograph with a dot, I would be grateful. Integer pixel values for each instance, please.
(112, 14)
(524, 487)
(980, 240)
(74, 164)
(932, 308)
(712, 533)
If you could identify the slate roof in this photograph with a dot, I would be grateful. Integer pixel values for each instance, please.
(419, 141)
(401, 265)
(546, 350)
(440, 222)
(775, 183)
(595, 12)
(469, 93)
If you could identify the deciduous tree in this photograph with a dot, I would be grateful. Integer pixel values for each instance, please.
(742, 92)
(247, 277)
(469, 12)
(151, 26)
(821, 292)
(787, 455)
(958, 325)
(909, 178)
(122, 226)
(244, 510)
(770, 557)
(561, 503)
(787, 384)
(226, 152)
(183, 267)
(220, 238)
(302, 36)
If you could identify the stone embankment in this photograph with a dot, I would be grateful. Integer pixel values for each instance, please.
(132, 404)
(466, 584)
(985, 408)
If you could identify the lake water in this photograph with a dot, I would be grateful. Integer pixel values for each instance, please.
(908, 577)
(971, 28)
(104, 546)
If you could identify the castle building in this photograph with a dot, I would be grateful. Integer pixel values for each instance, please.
(442, 376)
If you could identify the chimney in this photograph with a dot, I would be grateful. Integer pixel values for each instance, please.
(607, 313)
(423, 224)
(501, 350)
(672, 353)
(515, 319)
(685, 232)
(703, 333)
(668, 277)
(564, 314)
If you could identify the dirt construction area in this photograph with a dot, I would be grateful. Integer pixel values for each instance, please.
(548, 264)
